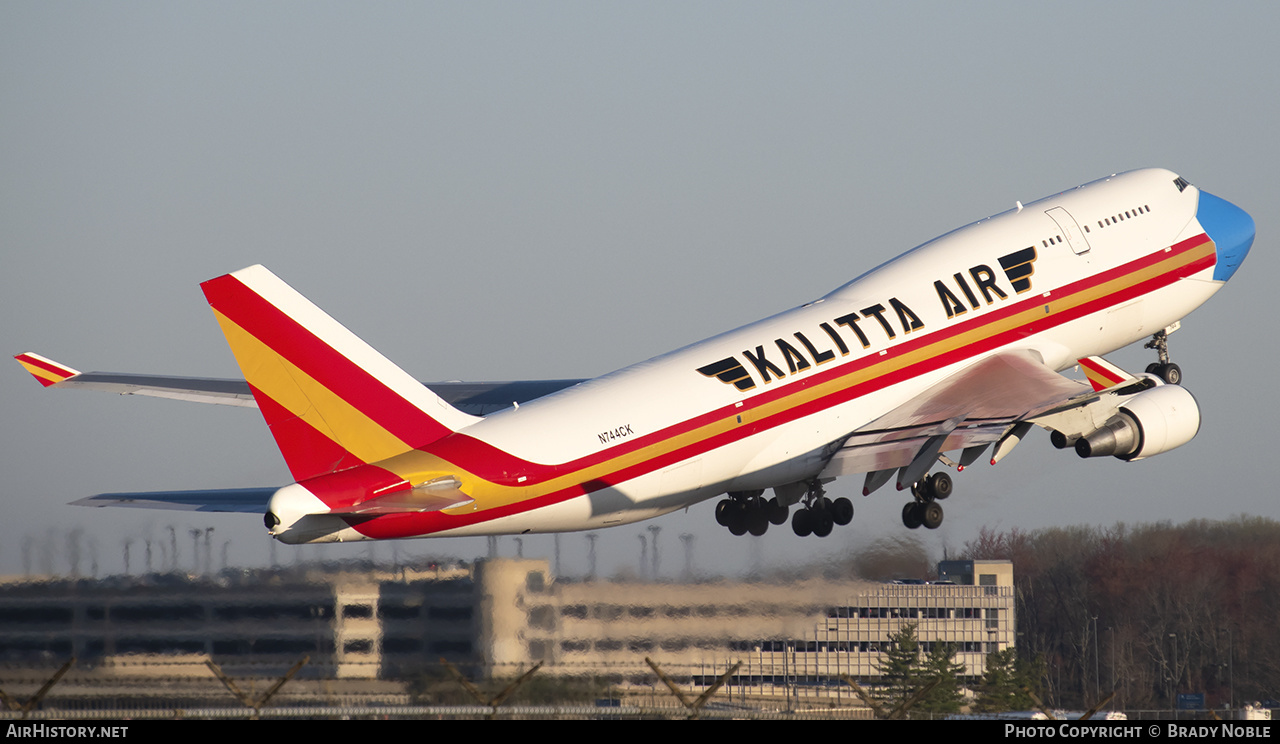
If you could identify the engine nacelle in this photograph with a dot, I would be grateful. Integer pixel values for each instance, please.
(1151, 422)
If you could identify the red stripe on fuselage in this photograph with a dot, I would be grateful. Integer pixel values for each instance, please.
(490, 463)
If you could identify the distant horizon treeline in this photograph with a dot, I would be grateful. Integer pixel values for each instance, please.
(1149, 610)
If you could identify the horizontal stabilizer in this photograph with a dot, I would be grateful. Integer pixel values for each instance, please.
(239, 500)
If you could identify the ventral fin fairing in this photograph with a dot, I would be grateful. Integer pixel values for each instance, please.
(946, 355)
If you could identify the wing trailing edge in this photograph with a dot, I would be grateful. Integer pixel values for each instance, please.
(995, 400)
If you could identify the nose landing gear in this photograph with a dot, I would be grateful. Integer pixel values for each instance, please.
(1164, 369)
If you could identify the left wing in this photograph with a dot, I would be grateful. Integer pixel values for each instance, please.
(475, 398)
(993, 401)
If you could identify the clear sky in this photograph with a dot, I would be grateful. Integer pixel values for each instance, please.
(527, 190)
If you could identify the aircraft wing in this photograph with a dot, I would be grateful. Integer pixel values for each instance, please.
(239, 500)
(977, 406)
(476, 398)
(432, 497)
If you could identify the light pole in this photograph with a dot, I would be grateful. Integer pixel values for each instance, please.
(653, 542)
(1097, 692)
(1231, 675)
(687, 539)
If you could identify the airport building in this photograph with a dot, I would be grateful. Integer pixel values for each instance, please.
(502, 616)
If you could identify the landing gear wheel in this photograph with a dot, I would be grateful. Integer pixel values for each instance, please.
(941, 486)
(722, 512)
(778, 512)
(1171, 373)
(735, 517)
(1166, 370)
(802, 523)
(911, 516)
(931, 515)
(822, 522)
(842, 511)
(757, 520)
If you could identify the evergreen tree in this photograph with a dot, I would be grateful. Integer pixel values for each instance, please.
(904, 672)
(900, 667)
(945, 696)
(1006, 681)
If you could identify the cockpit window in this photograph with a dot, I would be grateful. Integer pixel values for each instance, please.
(1181, 183)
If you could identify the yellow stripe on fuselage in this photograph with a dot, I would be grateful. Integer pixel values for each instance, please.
(416, 466)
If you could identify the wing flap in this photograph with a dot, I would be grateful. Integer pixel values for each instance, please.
(890, 453)
(974, 407)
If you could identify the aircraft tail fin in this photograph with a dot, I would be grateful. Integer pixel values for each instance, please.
(332, 402)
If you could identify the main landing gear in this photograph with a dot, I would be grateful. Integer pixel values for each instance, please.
(820, 514)
(1164, 369)
(926, 510)
(749, 511)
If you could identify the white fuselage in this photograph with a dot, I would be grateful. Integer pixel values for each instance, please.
(898, 308)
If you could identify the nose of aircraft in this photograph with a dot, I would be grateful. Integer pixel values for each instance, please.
(1231, 229)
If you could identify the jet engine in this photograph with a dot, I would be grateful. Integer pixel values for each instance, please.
(1151, 422)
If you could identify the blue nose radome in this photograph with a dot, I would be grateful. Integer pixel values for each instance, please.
(1231, 229)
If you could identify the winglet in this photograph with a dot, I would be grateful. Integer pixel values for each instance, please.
(1103, 374)
(46, 371)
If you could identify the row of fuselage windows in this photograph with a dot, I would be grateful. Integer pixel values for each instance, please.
(1102, 223)
(1121, 217)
